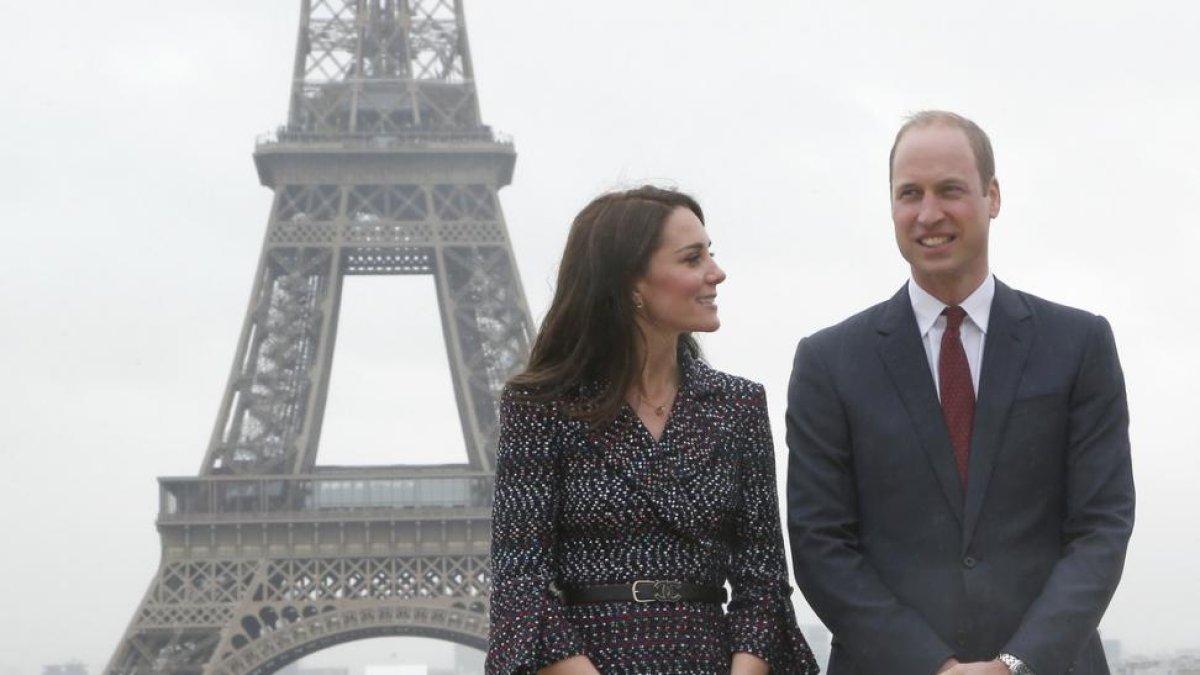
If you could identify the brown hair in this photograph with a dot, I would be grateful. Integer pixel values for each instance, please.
(981, 146)
(589, 334)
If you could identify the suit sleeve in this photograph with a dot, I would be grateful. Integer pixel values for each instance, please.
(529, 629)
(880, 634)
(1099, 514)
(761, 618)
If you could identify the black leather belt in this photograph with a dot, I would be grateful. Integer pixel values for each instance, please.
(644, 591)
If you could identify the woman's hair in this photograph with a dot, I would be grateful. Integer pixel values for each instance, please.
(589, 334)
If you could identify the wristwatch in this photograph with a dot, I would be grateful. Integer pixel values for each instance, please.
(1015, 666)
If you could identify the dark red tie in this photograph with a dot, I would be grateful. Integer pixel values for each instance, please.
(958, 394)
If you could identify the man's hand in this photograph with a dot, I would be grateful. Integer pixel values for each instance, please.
(950, 663)
(994, 667)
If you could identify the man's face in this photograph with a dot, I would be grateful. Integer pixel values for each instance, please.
(942, 211)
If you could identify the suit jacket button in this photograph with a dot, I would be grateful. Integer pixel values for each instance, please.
(969, 562)
(961, 638)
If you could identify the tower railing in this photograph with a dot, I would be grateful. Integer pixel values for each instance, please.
(370, 139)
(186, 499)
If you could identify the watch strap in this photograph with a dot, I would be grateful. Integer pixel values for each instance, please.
(1015, 666)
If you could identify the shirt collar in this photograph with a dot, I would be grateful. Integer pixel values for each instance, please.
(978, 305)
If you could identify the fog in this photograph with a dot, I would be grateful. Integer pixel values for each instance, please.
(134, 222)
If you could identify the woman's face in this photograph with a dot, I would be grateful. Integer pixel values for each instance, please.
(679, 291)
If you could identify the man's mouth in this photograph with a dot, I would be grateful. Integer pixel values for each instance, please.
(934, 241)
(707, 299)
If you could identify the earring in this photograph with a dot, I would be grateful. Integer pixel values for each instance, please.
(637, 303)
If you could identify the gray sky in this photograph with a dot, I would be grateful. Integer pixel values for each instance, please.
(135, 221)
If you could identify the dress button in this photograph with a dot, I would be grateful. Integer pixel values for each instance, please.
(969, 562)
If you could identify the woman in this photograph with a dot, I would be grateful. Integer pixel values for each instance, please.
(633, 480)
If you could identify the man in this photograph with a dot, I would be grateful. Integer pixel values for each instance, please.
(959, 487)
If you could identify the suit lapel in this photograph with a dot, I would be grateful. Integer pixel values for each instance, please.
(1010, 335)
(902, 352)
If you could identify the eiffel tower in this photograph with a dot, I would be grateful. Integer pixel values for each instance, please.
(383, 167)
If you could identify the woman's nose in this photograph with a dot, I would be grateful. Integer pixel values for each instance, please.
(716, 275)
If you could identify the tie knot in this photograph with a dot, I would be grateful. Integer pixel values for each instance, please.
(954, 317)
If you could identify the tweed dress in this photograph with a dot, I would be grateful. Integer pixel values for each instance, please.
(579, 507)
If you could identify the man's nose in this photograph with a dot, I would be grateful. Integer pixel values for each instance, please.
(931, 210)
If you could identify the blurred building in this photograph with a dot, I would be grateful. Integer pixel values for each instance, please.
(294, 669)
(406, 669)
(72, 668)
(1178, 664)
(1112, 650)
(468, 660)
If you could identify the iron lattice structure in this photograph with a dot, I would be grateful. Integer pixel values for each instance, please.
(383, 167)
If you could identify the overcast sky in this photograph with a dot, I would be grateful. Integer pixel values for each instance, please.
(135, 220)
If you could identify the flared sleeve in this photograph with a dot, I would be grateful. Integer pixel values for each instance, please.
(529, 629)
(761, 618)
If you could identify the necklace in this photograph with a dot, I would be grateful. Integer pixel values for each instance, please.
(660, 409)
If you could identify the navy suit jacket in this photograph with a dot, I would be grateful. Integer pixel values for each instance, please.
(905, 567)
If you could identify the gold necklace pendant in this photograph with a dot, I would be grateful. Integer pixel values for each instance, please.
(660, 409)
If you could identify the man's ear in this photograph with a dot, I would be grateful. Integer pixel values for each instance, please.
(993, 196)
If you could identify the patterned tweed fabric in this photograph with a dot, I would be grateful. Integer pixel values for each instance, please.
(579, 507)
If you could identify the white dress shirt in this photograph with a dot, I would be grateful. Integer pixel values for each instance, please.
(973, 332)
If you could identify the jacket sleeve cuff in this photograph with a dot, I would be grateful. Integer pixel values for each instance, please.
(529, 630)
(766, 627)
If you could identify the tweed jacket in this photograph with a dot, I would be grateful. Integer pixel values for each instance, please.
(576, 506)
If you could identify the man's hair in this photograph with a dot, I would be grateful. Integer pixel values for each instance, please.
(981, 146)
